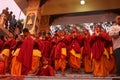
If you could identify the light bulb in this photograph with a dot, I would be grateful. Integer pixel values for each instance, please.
(82, 2)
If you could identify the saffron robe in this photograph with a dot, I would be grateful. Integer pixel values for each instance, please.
(98, 52)
(25, 55)
(111, 61)
(6, 53)
(40, 44)
(35, 60)
(60, 55)
(16, 66)
(75, 52)
(87, 55)
(46, 48)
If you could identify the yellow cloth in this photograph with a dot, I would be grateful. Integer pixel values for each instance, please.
(106, 53)
(5, 52)
(37, 53)
(64, 51)
(78, 55)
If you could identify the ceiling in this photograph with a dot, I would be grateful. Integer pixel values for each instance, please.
(22, 4)
(73, 6)
(52, 7)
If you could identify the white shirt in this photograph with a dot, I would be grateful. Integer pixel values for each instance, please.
(114, 31)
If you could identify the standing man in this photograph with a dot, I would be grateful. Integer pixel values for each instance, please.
(87, 51)
(26, 52)
(12, 24)
(99, 54)
(114, 32)
(75, 51)
(60, 53)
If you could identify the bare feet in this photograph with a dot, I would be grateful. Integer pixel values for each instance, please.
(70, 71)
(79, 72)
(55, 72)
(63, 74)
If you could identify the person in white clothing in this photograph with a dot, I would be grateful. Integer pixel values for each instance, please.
(114, 32)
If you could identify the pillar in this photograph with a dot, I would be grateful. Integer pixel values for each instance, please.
(35, 22)
(33, 14)
(44, 23)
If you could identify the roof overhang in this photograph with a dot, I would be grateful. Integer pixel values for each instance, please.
(22, 4)
(52, 7)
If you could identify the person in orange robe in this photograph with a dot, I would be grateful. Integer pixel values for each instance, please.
(54, 41)
(60, 54)
(109, 53)
(40, 46)
(36, 57)
(2, 65)
(1, 59)
(75, 54)
(86, 51)
(99, 55)
(46, 47)
(26, 52)
(67, 42)
(45, 70)
(48, 36)
(6, 52)
(48, 40)
(39, 41)
(16, 65)
(111, 61)
(12, 44)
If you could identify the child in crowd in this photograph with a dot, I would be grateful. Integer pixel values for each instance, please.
(45, 70)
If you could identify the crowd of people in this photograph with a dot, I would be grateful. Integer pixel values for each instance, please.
(8, 20)
(43, 55)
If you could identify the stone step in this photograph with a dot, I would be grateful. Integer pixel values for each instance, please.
(60, 77)
(71, 77)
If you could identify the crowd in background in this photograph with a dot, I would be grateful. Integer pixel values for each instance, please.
(9, 21)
